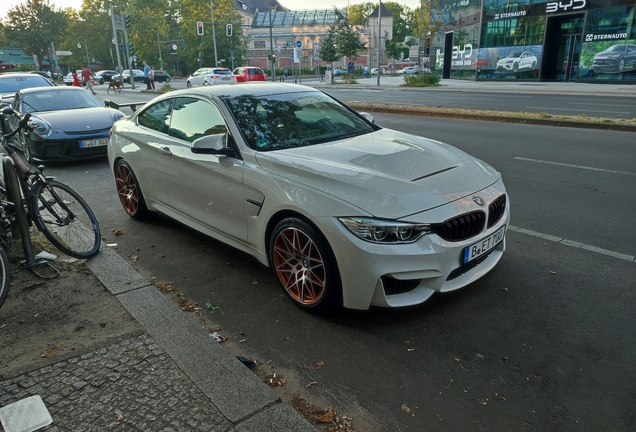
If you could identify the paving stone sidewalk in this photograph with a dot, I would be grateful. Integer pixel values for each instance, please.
(164, 375)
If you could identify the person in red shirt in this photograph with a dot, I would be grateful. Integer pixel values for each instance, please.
(87, 75)
(76, 81)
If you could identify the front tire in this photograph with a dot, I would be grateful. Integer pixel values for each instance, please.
(167, 80)
(5, 276)
(305, 266)
(129, 192)
(26, 151)
(65, 219)
(621, 65)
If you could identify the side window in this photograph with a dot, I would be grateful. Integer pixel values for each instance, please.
(193, 118)
(157, 117)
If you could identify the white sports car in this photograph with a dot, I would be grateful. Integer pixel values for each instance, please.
(518, 61)
(344, 212)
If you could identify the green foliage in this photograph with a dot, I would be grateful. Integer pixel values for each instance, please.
(33, 25)
(328, 50)
(422, 80)
(401, 25)
(358, 14)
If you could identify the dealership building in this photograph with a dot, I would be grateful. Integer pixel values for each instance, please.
(567, 40)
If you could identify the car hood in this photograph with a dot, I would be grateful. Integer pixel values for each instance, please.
(608, 55)
(80, 120)
(387, 174)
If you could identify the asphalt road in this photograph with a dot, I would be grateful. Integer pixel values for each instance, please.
(544, 342)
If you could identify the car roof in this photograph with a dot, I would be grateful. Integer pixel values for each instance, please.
(259, 88)
(19, 74)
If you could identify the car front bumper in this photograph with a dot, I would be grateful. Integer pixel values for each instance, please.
(398, 275)
(66, 148)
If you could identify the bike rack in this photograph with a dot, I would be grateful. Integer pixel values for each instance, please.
(15, 196)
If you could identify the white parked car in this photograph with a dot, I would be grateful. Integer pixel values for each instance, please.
(518, 61)
(407, 70)
(211, 76)
(343, 211)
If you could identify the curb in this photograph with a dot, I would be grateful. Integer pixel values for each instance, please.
(501, 117)
(238, 394)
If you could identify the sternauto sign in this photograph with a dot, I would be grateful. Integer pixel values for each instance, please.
(565, 6)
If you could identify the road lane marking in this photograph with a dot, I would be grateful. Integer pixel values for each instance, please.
(627, 173)
(569, 109)
(573, 243)
(597, 104)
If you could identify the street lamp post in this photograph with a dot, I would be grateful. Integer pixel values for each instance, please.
(271, 44)
(79, 45)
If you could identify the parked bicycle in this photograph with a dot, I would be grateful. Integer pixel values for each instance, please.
(57, 211)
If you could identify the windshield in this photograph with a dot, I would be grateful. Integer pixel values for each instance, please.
(293, 120)
(9, 84)
(58, 100)
(616, 48)
(221, 71)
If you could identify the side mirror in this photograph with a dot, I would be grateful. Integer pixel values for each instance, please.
(368, 117)
(212, 144)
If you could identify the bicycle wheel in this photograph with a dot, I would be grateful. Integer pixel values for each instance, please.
(65, 219)
(5, 276)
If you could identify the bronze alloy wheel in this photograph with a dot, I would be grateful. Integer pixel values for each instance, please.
(299, 265)
(128, 191)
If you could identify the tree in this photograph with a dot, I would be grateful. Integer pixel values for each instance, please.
(193, 11)
(358, 14)
(393, 48)
(401, 27)
(328, 51)
(347, 37)
(33, 25)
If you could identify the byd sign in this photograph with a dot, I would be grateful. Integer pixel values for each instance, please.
(570, 5)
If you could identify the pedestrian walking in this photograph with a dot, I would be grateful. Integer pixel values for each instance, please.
(87, 76)
(146, 72)
(151, 77)
(76, 81)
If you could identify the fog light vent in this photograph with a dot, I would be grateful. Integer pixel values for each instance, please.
(394, 286)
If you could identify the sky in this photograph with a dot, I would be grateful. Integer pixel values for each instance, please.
(5, 5)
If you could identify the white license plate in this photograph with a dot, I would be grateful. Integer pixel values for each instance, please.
(225, 78)
(483, 246)
(94, 143)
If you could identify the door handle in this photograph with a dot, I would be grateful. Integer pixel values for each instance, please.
(165, 150)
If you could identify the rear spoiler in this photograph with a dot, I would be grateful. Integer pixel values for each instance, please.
(115, 105)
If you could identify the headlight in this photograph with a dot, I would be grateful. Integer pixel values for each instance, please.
(385, 231)
(40, 127)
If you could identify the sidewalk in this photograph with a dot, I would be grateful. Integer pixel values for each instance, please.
(144, 366)
(499, 86)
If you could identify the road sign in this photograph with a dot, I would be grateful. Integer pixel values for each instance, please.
(299, 44)
(134, 57)
(291, 57)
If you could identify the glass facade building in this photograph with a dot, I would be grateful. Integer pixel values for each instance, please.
(535, 40)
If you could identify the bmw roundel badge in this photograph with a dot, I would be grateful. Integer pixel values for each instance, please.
(478, 200)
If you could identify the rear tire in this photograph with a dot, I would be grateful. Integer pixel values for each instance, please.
(129, 192)
(5, 276)
(65, 219)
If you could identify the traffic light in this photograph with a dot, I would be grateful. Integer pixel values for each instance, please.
(122, 47)
(269, 57)
(127, 20)
(131, 48)
(228, 30)
(200, 28)
(274, 58)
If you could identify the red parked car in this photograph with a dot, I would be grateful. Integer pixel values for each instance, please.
(249, 73)
(480, 63)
